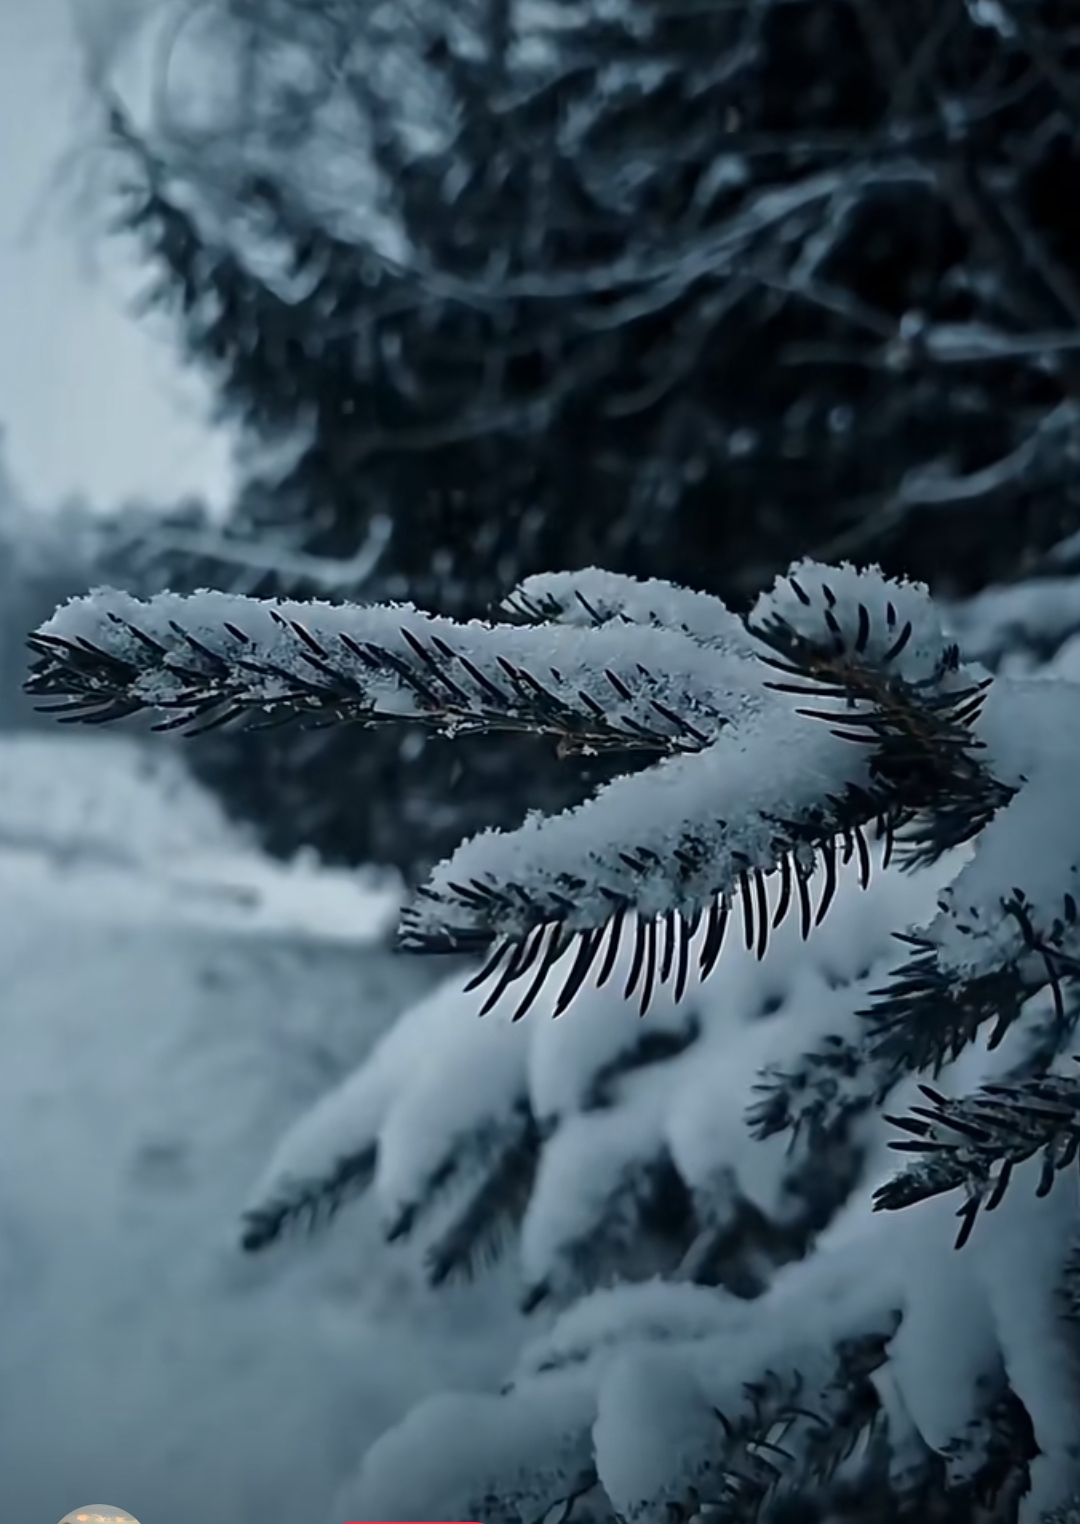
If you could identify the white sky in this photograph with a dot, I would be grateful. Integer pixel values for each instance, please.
(92, 400)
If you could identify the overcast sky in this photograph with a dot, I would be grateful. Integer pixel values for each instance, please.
(92, 400)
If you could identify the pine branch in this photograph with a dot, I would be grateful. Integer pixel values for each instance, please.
(641, 1198)
(818, 1095)
(668, 852)
(487, 1156)
(937, 1001)
(902, 690)
(790, 1441)
(213, 658)
(666, 858)
(308, 1203)
(975, 1143)
(493, 1209)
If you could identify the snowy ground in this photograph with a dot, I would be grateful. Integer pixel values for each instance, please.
(166, 1009)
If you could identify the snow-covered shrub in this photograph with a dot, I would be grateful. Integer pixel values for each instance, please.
(738, 1333)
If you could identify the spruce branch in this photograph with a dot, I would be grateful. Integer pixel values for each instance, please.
(937, 1001)
(976, 1142)
(308, 1203)
(493, 1207)
(787, 1439)
(212, 658)
(684, 841)
(926, 1015)
(666, 855)
(482, 1159)
(816, 1095)
(917, 714)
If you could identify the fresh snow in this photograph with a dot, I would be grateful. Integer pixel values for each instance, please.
(462, 1456)
(572, 1064)
(1021, 1253)
(110, 830)
(1031, 730)
(945, 1307)
(889, 604)
(656, 1436)
(592, 597)
(148, 1065)
(720, 805)
(592, 1172)
(630, 1379)
(597, 1326)
(660, 1356)
(458, 1098)
(346, 1121)
(260, 651)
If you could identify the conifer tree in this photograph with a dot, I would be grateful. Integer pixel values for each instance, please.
(680, 289)
(919, 1362)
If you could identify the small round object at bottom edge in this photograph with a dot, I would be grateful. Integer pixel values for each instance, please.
(99, 1513)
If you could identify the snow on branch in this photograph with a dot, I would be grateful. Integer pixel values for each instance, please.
(774, 795)
(877, 648)
(211, 658)
(436, 1121)
(976, 1142)
(593, 597)
(1009, 923)
(460, 1147)
(492, 1206)
(729, 1420)
(652, 853)
(839, 706)
(507, 1459)
(605, 1192)
(330, 1154)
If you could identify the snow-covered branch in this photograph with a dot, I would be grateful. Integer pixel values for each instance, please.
(890, 738)
(595, 597)
(840, 706)
(1008, 925)
(976, 1142)
(210, 658)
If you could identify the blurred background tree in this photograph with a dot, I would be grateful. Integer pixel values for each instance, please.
(680, 288)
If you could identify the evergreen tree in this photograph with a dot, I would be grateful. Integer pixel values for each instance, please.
(678, 289)
(45, 557)
(917, 1364)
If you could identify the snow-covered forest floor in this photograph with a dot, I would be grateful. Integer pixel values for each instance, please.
(167, 1007)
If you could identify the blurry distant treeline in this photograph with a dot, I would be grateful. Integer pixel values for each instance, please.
(682, 288)
(48, 555)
